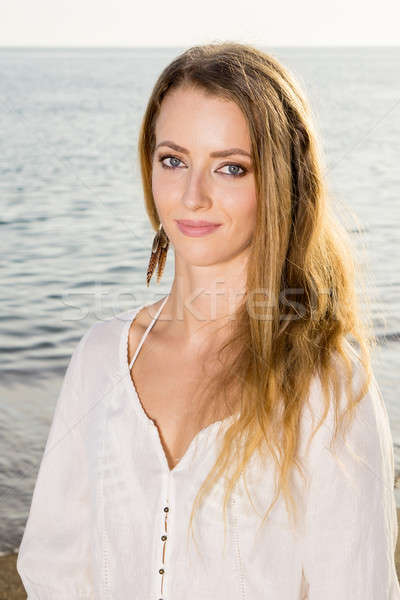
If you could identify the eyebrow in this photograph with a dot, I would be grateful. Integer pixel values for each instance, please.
(217, 154)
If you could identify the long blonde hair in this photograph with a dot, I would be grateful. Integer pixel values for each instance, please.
(298, 245)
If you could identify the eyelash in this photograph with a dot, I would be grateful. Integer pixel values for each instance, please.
(164, 156)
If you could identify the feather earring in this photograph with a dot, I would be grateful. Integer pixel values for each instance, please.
(158, 254)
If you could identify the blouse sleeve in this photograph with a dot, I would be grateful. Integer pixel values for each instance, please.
(53, 558)
(351, 520)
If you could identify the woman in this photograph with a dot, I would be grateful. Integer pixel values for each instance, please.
(237, 412)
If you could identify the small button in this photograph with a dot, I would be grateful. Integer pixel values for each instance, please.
(166, 509)
(163, 538)
(161, 571)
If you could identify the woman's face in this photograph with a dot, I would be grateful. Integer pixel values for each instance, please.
(193, 181)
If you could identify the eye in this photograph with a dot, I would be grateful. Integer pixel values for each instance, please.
(174, 160)
(235, 172)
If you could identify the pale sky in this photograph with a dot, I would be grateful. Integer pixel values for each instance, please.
(174, 23)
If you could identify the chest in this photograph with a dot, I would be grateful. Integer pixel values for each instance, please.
(232, 560)
(169, 386)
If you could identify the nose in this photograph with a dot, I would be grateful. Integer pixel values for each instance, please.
(197, 190)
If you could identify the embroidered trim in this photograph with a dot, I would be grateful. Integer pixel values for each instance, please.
(236, 542)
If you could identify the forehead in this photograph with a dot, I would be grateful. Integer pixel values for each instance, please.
(191, 112)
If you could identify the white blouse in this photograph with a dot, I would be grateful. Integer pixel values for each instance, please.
(108, 518)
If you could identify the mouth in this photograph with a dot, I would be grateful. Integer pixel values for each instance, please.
(196, 228)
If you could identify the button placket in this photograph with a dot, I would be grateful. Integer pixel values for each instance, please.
(164, 538)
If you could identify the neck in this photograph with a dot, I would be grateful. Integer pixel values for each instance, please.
(203, 300)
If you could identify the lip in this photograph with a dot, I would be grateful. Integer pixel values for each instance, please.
(194, 223)
(196, 228)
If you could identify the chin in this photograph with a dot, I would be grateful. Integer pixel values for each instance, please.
(205, 258)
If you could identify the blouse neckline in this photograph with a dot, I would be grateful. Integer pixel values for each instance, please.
(136, 402)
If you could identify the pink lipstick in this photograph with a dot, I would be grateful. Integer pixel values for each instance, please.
(196, 228)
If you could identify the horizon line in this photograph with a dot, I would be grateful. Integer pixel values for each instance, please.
(147, 47)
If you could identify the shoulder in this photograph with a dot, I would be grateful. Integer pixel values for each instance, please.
(139, 322)
(103, 347)
(345, 377)
(366, 444)
(98, 356)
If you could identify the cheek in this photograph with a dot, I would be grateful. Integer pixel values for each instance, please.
(165, 190)
(156, 182)
(242, 208)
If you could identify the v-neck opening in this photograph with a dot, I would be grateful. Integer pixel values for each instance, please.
(137, 403)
